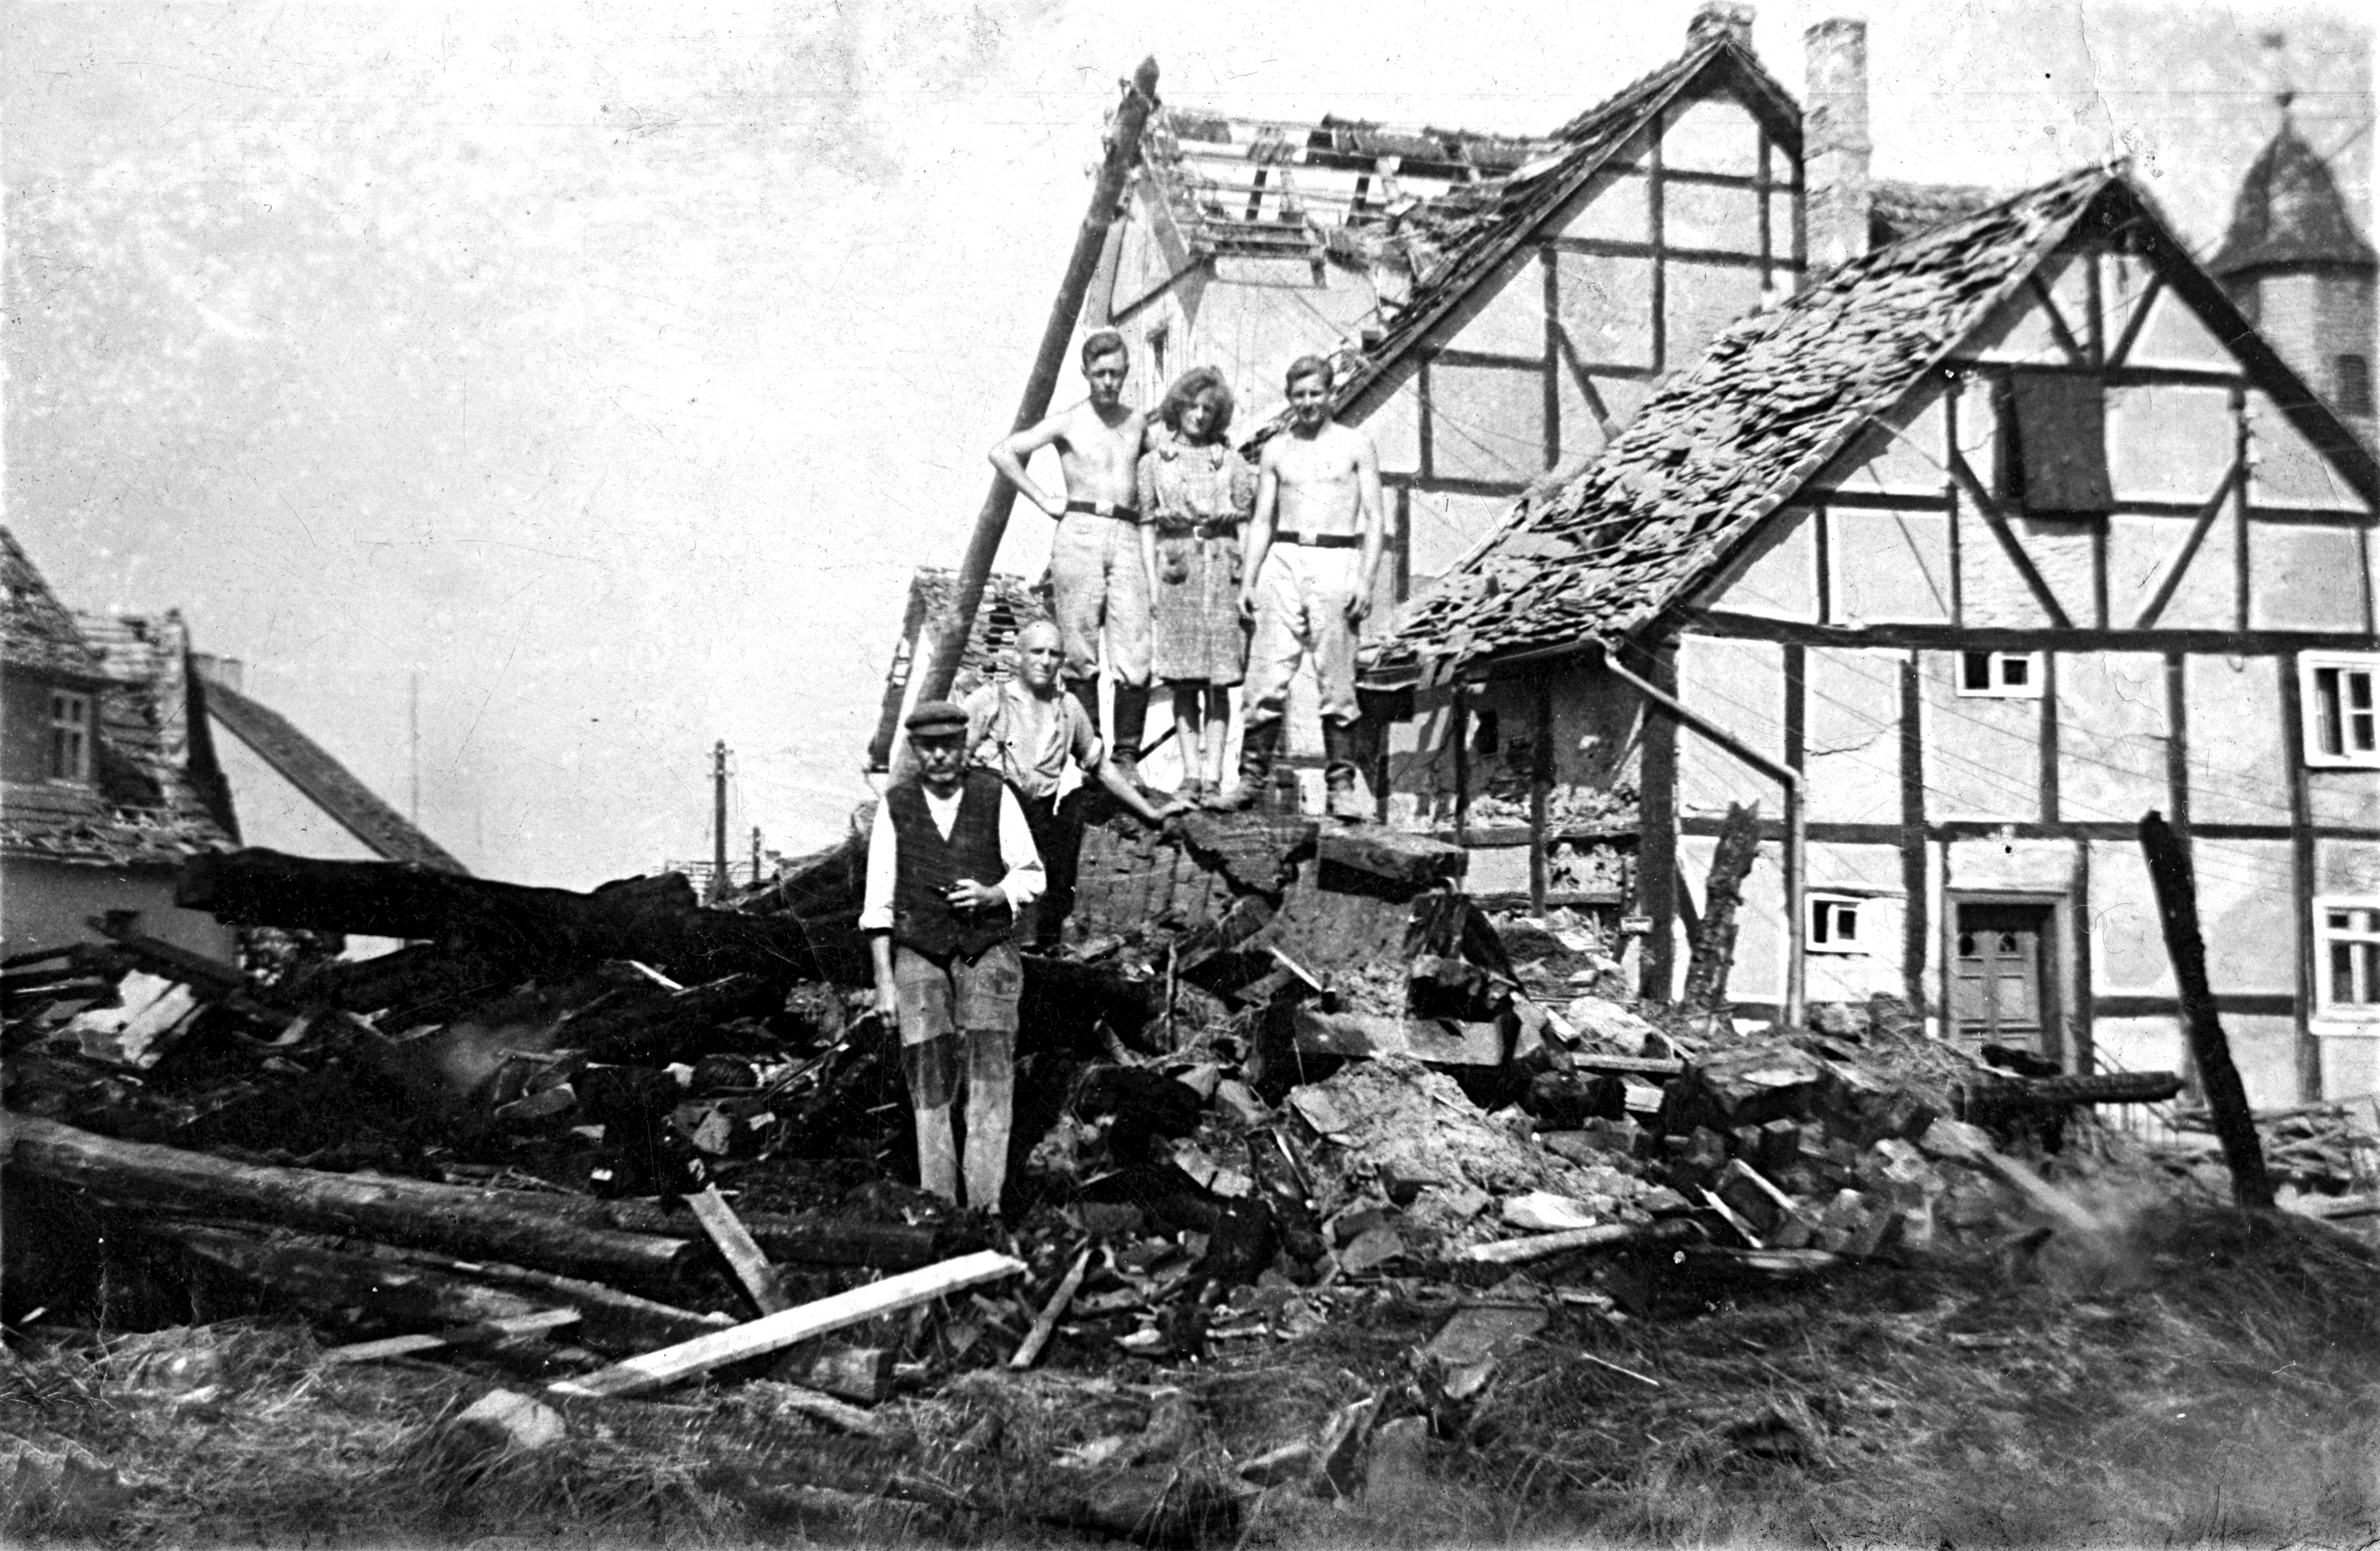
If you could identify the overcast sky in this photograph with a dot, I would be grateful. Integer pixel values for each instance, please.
(610, 366)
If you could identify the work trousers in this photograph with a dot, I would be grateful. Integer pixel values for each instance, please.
(1097, 581)
(958, 1038)
(1302, 597)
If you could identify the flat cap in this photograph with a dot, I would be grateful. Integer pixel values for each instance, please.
(937, 715)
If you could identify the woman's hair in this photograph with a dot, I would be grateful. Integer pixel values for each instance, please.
(1199, 382)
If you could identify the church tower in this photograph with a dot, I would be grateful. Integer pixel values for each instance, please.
(2297, 266)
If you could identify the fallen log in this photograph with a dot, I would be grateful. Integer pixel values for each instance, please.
(1609, 1236)
(775, 1332)
(548, 1231)
(1996, 1102)
(812, 1241)
(461, 1334)
(653, 919)
(615, 1323)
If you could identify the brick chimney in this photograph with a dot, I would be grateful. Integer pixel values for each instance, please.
(1721, 18)
(1835, 146)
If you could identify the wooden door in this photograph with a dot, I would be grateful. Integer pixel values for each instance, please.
(1996, 984)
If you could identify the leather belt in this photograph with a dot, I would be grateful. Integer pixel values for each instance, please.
(1105, 509)
(1321, 540)
(1222, 529)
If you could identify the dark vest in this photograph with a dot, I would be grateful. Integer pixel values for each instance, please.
(922, 917)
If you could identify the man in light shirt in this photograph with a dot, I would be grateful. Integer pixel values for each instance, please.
(950, 869)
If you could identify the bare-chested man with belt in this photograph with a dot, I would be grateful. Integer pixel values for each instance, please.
(1097, 572)
(1313, 551)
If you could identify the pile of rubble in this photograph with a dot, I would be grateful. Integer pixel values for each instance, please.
(1270, 1072)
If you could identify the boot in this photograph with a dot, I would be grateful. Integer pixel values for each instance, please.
(1260, 742)
(1339, 743)
(1131, 720)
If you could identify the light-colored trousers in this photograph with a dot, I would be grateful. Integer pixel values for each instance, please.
(1097, 579)
(958, 1038)
(1302, 599)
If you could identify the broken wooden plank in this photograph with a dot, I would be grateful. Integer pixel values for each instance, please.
(1615, 1236)
(774, 1332)
(460, 1335)
(743, 1256)
(827, 1408)
(545, 1230)
(1416, 861)
(1038, 1336)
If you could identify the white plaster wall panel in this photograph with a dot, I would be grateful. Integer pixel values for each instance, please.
(2245, 913)
(2139, 1045)
(1421, 757)
(1507, 314)
(1739, 685)
(1907, 460)
(2016, 331)
(2174, 335)
(1445, 527)
(277, 816)
(1991, 590)
(1869, 869)
(1622, 397)
(1395, 426)
(2305, 577)
(2123, 281)
(1710, 216)
(2264, 1049)
(2166, 443)
(2015, 867)
(1605, 303)
(1780, 236)
(1777, 577)
(1875, 970)
(2061, 551)
(1616, 208)
(1889, 568)
(1486, 423)
(2350, 1064)
(1579, 434)
(1851, 735)
(1978, 428)
(2239, 773)
(2128, 956)
(1699, 300)
(2347, 867)
(1711, 134)
(2285, 470)
(1498, 869)
(1252, 331)
(1983, 756)
(1759, 972)
(2142, 551)
(2344, 798)
(2112, 731)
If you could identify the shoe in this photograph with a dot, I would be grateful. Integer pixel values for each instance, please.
(1339, 746)
(1191, 790)
(1258, 744)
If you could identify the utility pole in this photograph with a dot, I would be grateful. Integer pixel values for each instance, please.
(948, 636)
(756, 855)
(718, 820)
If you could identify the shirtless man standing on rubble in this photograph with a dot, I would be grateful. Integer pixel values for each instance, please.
(1306, 587)
(1098, 574)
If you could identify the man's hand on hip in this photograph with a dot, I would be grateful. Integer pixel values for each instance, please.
(1359, 604)
(967, 895)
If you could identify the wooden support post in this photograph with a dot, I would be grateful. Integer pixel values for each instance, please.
(2227, 1098)
(1055, 1310)
(735, 1245)
(777, 1331)
(1541, 785)
(1739, 847)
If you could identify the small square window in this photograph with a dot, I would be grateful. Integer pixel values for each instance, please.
(2347, 958)
(2008, 676)
(2342, 709)
(2354, 384)
(1835, 925)
(69, 736)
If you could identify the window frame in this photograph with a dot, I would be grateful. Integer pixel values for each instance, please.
(1999, 688)
(1817, 900)
(80, 729)
(2310, 666)
(2325, 1008)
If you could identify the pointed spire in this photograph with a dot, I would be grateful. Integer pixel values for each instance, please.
(2289, 211)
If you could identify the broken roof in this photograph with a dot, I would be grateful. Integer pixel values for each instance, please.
(1777, 395)
(2289, 211)
(312, 768)
(37, 634)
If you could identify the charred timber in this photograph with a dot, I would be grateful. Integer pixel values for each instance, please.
(655, 920)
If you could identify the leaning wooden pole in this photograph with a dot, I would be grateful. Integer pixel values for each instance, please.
(2227, 1100)
(1123, 152)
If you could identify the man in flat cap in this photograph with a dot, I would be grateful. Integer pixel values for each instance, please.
(951, 869)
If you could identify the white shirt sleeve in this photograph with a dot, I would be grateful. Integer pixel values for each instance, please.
(1026, 879)
(883, 868)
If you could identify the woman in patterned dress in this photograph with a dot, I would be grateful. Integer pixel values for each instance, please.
(1195, 494)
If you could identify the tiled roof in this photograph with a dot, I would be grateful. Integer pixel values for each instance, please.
(2289, 211)
(312, 768)
(1775, 398)
(1898, 209)
(37, 634)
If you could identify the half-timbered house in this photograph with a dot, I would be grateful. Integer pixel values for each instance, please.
(1987, 543)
